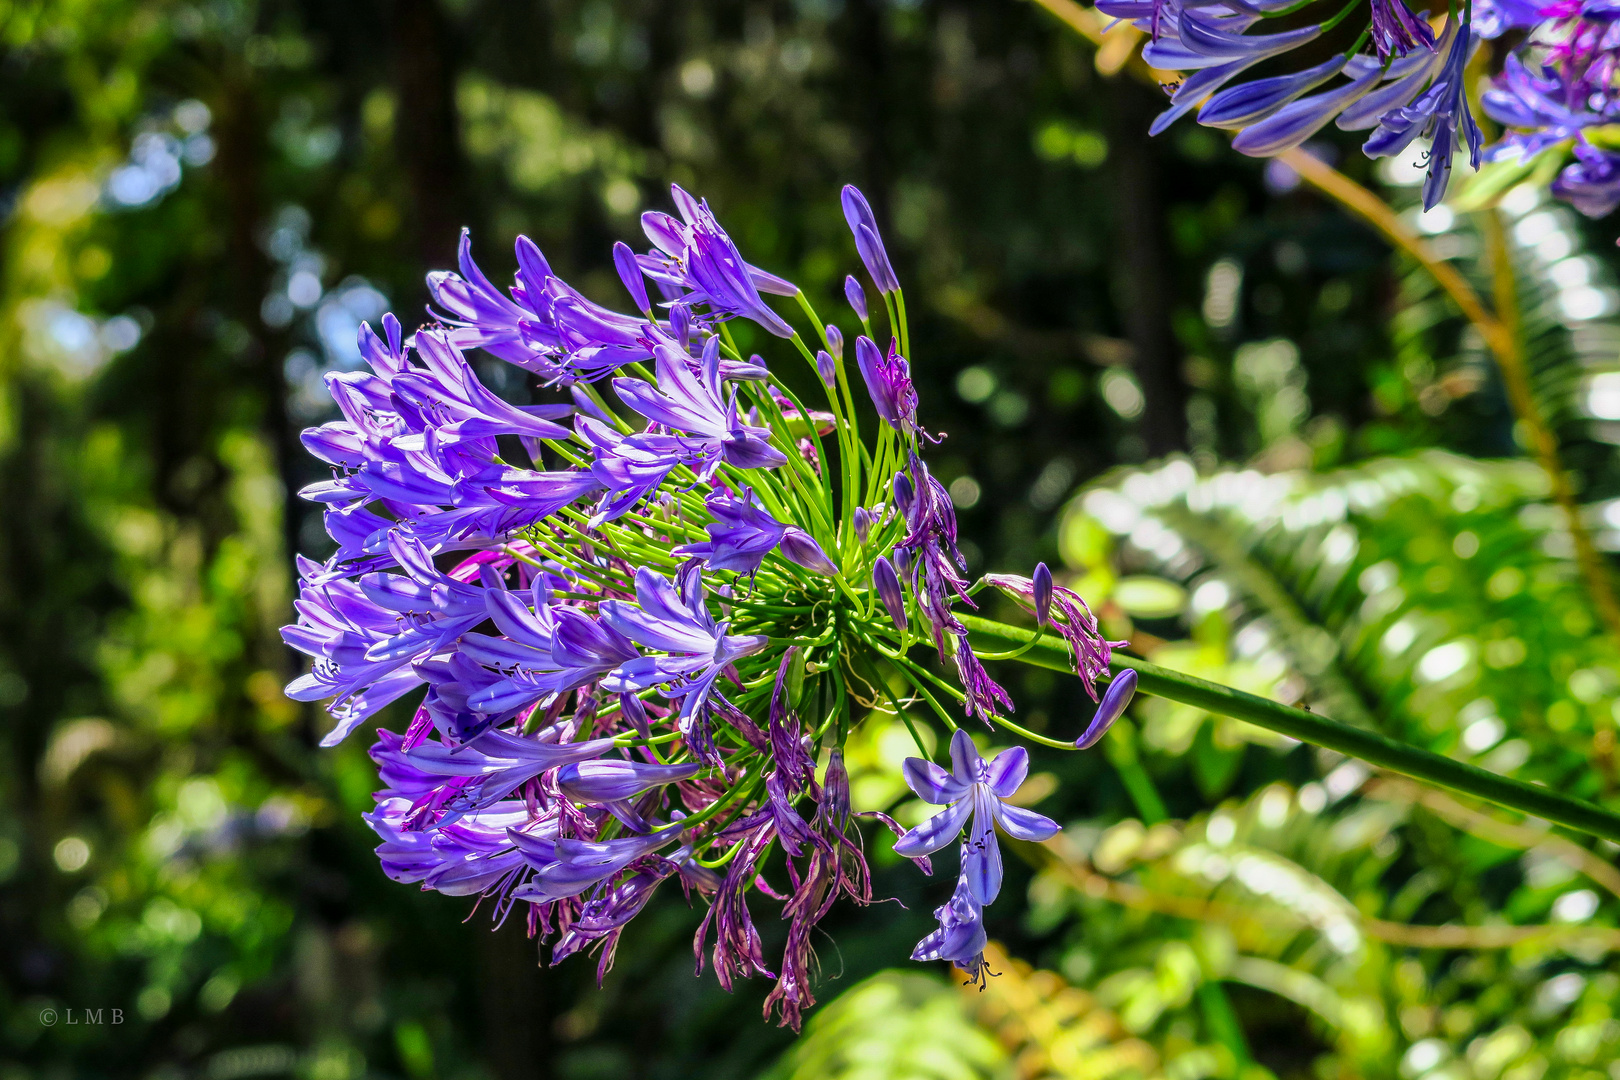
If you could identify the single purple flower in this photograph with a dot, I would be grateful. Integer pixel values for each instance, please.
(856, 297)
(566, 867)
(904, 492)
(888, 381)
(863, 524)
(678, 624)
(700, 257)
(985, 698)
(687, 401)
(743, 534)
(603, 918)
(480, 315)
(1439, 114)
(1403, 80)
(961, 936)
(858, 214)
(980, 788)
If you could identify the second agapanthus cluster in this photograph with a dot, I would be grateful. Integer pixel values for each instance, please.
(644, 614)
(1402, 79)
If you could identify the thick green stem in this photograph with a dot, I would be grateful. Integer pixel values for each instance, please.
(1049, 651)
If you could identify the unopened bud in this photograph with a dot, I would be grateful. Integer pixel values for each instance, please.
(856, 296)
(1043, 595)
(887, 583)
(904, 493)
(835, 341)
(1115, 698)
(826, 368)
(863, 523)
(680, 321)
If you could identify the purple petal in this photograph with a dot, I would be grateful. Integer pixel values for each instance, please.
(624, 260)
(966, 763)
(932, 783)
(1006, 773)
(981, 854)
(934, 833)
(1022, 824)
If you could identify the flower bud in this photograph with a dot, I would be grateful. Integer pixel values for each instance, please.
(863, 224)
(887, 583)
(904, 493)
(636, 713)
(835, 341)
(902, 559)
(826, 368)
(856, 296)
(1115, 698)
(800, 547)
(1043, 595)
(615, 781)
(624, 260)
(863, 524)
(680, 321)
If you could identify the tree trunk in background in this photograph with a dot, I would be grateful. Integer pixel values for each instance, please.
(517, 1022)
(1144, 267)
(427, 135)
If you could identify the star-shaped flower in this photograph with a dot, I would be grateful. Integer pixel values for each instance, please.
(982, 788)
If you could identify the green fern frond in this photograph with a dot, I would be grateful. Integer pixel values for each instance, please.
(894, 1026)
(1426, 596)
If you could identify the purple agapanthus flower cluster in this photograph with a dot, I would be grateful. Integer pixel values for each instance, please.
(1402, 79)
(1408, 87)
(1557, 91)
(639, 614)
